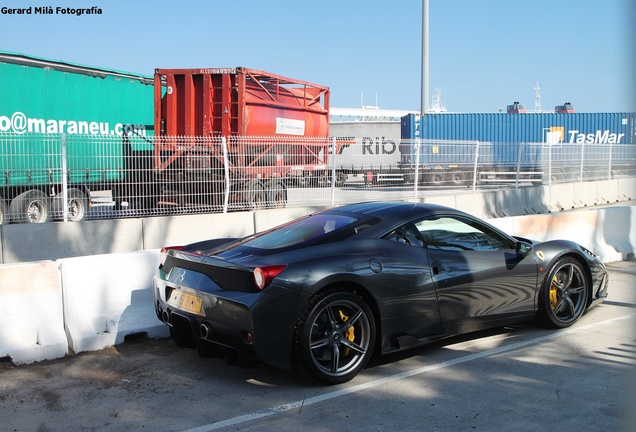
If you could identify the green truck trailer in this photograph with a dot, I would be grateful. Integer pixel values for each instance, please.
(75, 137)
(67, 131)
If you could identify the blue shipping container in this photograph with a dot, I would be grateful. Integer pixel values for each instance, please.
(509, 139)
(609, 128)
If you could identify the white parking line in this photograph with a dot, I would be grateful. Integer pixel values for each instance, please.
(375, 383)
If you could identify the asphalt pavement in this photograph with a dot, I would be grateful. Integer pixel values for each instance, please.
(518, 378)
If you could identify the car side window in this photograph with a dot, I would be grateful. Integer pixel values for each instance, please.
(407, 234)
(457, 233)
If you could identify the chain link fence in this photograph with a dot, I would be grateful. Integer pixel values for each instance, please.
(45, 177)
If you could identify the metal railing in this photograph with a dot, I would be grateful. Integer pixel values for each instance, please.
(47, 177)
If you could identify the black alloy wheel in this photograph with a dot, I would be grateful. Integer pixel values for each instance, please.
(334, 337)
(564, 295)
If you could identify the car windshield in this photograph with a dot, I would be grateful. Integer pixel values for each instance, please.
(301, 231)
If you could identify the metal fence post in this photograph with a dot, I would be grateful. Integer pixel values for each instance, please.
(550, 164)
(226, 168)
(609, 168)
(333, 170)
(475, 166)
(64, 181)
(518, 173)
(417, 167)
(582, 170)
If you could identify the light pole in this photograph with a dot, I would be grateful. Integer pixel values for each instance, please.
(424, 101)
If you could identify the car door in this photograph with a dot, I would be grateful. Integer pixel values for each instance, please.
(410, 314)
(480, 279)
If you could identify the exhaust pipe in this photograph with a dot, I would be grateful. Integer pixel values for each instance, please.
(165, 316)
(206, 330)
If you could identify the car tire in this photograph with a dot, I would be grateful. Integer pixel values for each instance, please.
(564, 295)
(334, 337)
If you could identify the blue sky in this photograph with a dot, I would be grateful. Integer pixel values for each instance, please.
(484, 54)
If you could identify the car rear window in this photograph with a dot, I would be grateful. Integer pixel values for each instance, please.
(301, 231)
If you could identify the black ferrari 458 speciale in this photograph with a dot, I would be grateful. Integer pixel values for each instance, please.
(324, 292)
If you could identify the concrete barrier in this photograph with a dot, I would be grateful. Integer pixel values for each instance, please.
(480, 204)
(510, 202)
(535, 199)
(607, 192)
(444, 200)
(561, 197)
(627, 188)
(51, 241)
(617, 233)
(31, 312)
(109, 297)
(585, 194)
(608, 232)
(180, 230)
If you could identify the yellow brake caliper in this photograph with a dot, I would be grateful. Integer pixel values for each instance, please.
(350, 332)
(553, 292)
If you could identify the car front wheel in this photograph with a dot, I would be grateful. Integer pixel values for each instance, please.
(563, 297)
(334, 337)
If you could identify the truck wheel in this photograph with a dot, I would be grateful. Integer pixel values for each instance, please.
(458, 178)
(30, 207)
(558, 176)
(409, 178)
(437, 178)
(254, 195)
(601, 174)
(303, 181)
(4, 213)
(341, 178)
(323, 181)
(276, 194)
(77, 205)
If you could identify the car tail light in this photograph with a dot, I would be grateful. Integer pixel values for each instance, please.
(164, 252)
(264, 275)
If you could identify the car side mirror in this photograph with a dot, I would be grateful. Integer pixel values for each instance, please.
(523, 249)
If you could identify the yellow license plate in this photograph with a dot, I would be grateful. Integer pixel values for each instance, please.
(186, 301)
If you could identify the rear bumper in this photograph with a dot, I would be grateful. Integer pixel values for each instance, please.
(256, 325)
(221, 322)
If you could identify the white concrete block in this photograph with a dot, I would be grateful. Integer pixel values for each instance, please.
(444, 200)
(607, 192)
(31, 312)
(108, 297)
(185, 229)
(585, 194)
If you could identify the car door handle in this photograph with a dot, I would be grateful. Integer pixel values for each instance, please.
(438, 270)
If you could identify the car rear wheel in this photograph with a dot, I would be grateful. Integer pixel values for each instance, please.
(334, 337)
(563, 297)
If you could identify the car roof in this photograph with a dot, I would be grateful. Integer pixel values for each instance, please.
(394, 210)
